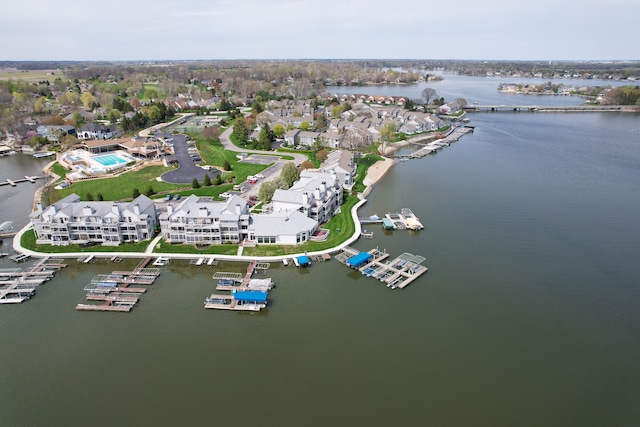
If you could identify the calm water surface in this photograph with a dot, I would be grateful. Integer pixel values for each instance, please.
(528, 315)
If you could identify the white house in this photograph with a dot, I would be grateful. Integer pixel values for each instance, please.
(316, 194)
(108, 223)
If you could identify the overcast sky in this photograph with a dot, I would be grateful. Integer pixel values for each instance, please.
(293, 29)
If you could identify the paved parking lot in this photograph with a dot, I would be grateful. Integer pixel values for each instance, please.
(187, 169)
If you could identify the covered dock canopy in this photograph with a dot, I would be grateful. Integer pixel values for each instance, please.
(303, 260)
(359, 259)
(388, 224)
(250, 296)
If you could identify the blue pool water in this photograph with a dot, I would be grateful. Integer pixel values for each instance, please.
(111, 160)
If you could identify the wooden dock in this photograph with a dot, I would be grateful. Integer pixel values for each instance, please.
(14, 182)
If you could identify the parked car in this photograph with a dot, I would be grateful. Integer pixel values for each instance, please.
(176, 197)
(254, 198)
(259, 176)
(225, 195)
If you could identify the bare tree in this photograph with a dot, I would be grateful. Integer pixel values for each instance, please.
(429, 94)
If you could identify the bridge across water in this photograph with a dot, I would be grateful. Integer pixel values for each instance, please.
(548, 109)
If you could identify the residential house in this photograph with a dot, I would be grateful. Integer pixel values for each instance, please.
(96, 131)
(316, 194)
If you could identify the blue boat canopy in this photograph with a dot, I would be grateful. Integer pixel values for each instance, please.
(359, 259)
(250, 296)
(303, 260)
(388, 224)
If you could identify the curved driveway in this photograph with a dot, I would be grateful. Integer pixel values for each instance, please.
(270, 172)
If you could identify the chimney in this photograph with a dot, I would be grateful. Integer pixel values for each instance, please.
(169, 209)
(305, 199)
(136, 209)
(203, 212)
(114, 209)
(238, 210)
(87, 211)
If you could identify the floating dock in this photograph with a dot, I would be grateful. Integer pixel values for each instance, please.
(115, 290)
(403, 220)
(247, 293)
(18, 285)
(397, 273)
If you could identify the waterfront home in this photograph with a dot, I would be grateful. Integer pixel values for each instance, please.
(72, 221)
(284, 228)
(316, 194)
(342, 164)
(54, 133)
(202, 221)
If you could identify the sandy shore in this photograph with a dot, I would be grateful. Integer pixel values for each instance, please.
(377, 171)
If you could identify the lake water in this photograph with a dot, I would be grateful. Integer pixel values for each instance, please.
(528, 314)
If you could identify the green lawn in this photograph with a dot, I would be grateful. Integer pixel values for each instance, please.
(164, 247)
(29, 241)
(121, 187)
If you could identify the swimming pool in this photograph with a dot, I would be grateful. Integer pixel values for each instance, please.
(111, 160)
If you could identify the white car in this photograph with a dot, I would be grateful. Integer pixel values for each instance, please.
(259, 176)
(225, 195)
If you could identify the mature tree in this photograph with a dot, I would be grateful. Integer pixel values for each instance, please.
(226, 165)
(149, 192)
(265, 138)
(218, 179)
(68, 141)
(211, 133)
(78, 119)
(135, 193)
(206, 181)
(305, 126)
(195, 183)
(100, 197)
(87, 100)
(278, 130)
(265, 193)
(429, 94)
(322, 154)
(307, 164)
(388, 132)
(89, 197)
(289, 174)
(113, 116)
(241, 131)
(461, 102)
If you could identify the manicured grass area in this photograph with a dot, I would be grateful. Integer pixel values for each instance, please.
(121, 187)
(28, 241)
(363, 164)
(341, 227)
(164, 247)
(59, 170)
(213, 153)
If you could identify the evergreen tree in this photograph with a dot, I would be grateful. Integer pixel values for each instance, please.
(89, 197)
(206, 181)
(195, 183)
(100, 197)
(218, 179)
(136, 193)
(149, 192)
(226, 166)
